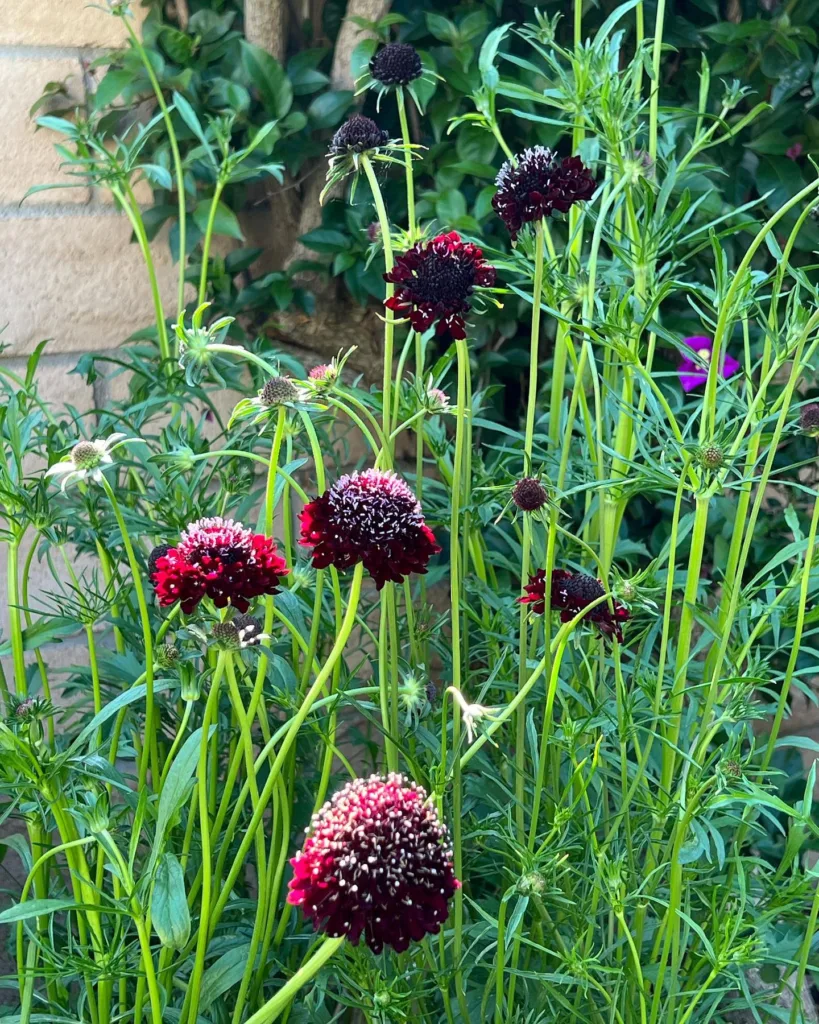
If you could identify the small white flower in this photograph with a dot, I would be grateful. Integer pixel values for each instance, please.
(87, 460)
(471, 713)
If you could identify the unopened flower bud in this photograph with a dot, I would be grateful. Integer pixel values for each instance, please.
(529, 494)
(711, 456)
(167, 655)
(809, 419)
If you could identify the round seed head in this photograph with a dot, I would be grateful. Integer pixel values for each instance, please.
(279, 391)
(86, 455)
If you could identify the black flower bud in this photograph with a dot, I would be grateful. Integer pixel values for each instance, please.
(711, 456)
(357, 135)
(529, 494)
(396, 64)
(809, 419)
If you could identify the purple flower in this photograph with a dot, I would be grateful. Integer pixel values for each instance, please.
(692, 371)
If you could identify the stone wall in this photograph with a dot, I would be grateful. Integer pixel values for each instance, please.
(68, 272)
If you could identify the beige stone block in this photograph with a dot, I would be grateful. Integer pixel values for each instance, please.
(62, 23)
(57, 385)
(28, 156)
(77, 280)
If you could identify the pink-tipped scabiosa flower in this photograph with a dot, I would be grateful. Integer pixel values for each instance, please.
(324, 373)
(692, 372)
(373, 518)
(537, 185)
(434, 282)
(216, 558)
(571, 592)
(377, 863)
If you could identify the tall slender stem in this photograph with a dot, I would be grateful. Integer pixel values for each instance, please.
(179, 171)
(389, 319)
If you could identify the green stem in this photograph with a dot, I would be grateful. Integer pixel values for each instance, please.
(149, 752)
(273, 1008)
(389, 319)
(405, 136)
(214, 206)
(177, 162)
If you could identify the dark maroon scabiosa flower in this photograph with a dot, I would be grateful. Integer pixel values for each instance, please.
(809, 419)
(221, 559)
(377, 863)
(370, 517)
(529, 494)
(538, 185)
(396, 64)
(571, 592)
(357, 135)
(434, 281)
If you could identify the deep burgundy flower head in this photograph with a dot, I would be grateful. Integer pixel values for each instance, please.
(376, 862)
(529, 494)
(538, 185)
(357, 135)
(396, 64)
(571, 592)
(370, 517)
(692, 373)
(809, 418)
(221, 559)
(434, 281)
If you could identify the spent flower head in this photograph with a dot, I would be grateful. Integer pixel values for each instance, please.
(238, 633)
(197, 356)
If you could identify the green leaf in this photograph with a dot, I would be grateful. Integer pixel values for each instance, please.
(442, 28)
(188, 115)
(269, 78)
(20, 846)
(325, 240)
(35, 908)
(489, 51)
(110, 87)
(178, 45)
(43, 632)
(117, 704)
(328, 109)
(175, 790)
(222, 975)
(361, 56)
(169, 904)
(224, 223)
